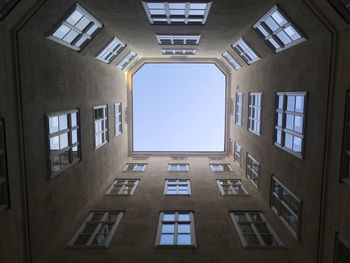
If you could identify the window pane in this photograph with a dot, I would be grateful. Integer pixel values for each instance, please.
(61, 31)
(53, 124)
(292, 33)
(297, 144)
(54, 143)
(184, 217)
(184, 239)
(184, 228)
(73, 119)
(82, 24)
(74, 17)
(70, 36)
(279, 119)
(298, 124)
(290, 103)
(169, 217)
(63, 122)
(167, 239)
(284, 37)
(63, 140)
(289, 121)
(278, 17)
(289, 141)
(74, 136)
(299, 104)
(168, 228)
(271, 24)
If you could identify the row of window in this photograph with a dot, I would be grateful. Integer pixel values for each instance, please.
(289, 118)
(178, 167)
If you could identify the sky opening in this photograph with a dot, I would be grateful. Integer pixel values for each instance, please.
(178, 107)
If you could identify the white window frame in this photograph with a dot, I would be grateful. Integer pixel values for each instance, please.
(178, 52)
(177, 39)
(254, 112)
(176, 222)
(271, 35)
(244, 50)
(118, 118)
(122, 64)
(104, 125)
(237, 154)
(4, 183)
(255, 230)
(251, 174)
(281, 130)
(81, 34)
(239, 109)
(164, 16)
(177, 183)
(133, 165)
(108, 53)
(231, 184)
(123, 184)
(104, 220)
(225, 166)
(178, 167)
(231, 60)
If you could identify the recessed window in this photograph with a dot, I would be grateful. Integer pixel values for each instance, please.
(290, 122)
(237, 154)
(178, 158)
(126, 60)
(97, 230)
(342, 250)
(286, 205)
(177, 187)
(176, 228)
(135, 167)
(216, 158)
(231, 60)
(77, 29)
(178, 167)
(231, 187)
(112, 50)
(221, 167)
(253, 170)
(118, 118)
(179, 52)
(101, 125)
(239, 108)
(64, 140)
(178, 39)
(4, 184)
(123, 187)
(278, 31)
(253, 229)
(345, 159)
(245, 51)
(254, 112)
(178, 13)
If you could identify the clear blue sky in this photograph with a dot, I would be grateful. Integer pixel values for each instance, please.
(179, 107)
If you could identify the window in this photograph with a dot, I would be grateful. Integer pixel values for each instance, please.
(176, 229)
(178, 52)
(178, 167)
(237, 154)
(290, 122)
(98, 229)
(184, 13)
(245, 51)
(177, 187)
(345, 158)
(77, 29)
(178, 158)
(118, 118)
(286, 205)
(343, 8)
(253, 170)
(231, 187)
(101, 125)
(178, 39)
(126, 60)
(6, 6)
(239, 108)
(64, 140)
(277, 30)
(135, 167)
(216, 158)
(113, 49)
(231, 60)
(253, 229)
(342, 250)
(4, 187)
(254, 112)
(221, 167)
(123, 187)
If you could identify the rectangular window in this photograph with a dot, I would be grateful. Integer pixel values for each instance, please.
(342, 250)
(290, 122)
(231, 60)
(101, 125)
(179, 13)
(254, 112)
(111, 50)
(4, 184)
(237, 154)
(221, 167)
(123, 187)
(118, 119)
(178, 167)
(345, 158)
(177, 187)
(253, 170)
(231, 187)
(253, 229)
(239, 108)
(286, 205)
(179, 52)
(135, 167)
(277, 30)
(245, 51)
(176, 228)
(126, 60)
(178, 39)
(64, 140)
(97, 230)
(77, 28)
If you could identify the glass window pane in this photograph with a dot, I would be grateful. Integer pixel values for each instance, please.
(299, 104)
(61, 31)
(274, 43)
(279, 119)
(99, 240)
(298, 124)
(280, 102)
(54, 143)
(278, 17)
(169, 217)
(70, 36)
(271, 24)
(263, 30)
(168, 228)
(63, 122)
(53, 124)
(297, 144)
(74, 136)
(184, 217)
(73, 119)
(292, 33)
(290, 103)
(278, 136)
(288, 141)
(289, 121)
(184, 228)
(252, 240)
(74, 17)
(184, 239)
(83, 23)
(284, 37)
(177, 6)
(63, 140)
(167, 239)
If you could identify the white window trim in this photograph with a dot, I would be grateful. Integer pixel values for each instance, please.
(224, 164)
(178, 37)
(178, 167)
(114, 53)
(231, 182)
(118, 118)
(125, 182)
(252, 107)
(122, 64)
(243, 54)
(257, 185)
(238, 115)
(126, 169)
(179, 52)
(231, 60)
(178, 182)
(105, 130)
